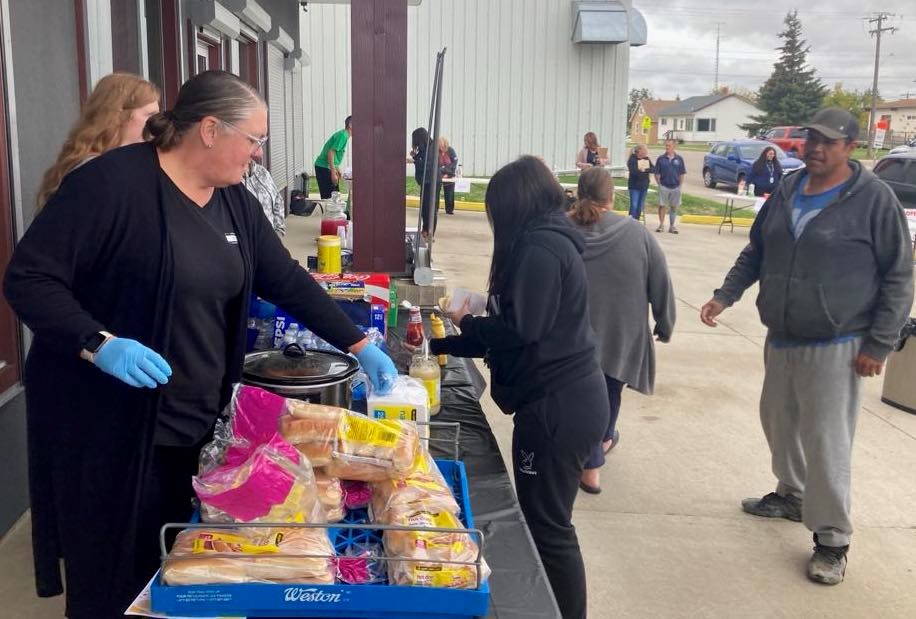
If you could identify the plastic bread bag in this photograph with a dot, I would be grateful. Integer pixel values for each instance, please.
(357, 494)
(312, 429)
(275, 484)
(356, 471)
(360, 564)
(202, 556)
(419, 555)
(250, 419)
(423, 488)
(387, 443)
(331, 495)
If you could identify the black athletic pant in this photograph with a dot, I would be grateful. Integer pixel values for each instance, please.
(325, 185)
(553, 437)
(425, 215)
(449, 190)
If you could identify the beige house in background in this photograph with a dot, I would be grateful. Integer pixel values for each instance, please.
(650, 108)
(902, 117)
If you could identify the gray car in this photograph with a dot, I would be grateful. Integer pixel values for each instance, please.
(904, 148)
(898, 170)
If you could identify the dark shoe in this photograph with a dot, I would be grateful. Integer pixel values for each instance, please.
(449, 212)
(590, 489)
(660, 229)
(828, 564)
(673, 231)
(614, 440)
(774, 506)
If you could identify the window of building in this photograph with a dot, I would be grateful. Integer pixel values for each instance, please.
(125, 37)
(664, 122)
(248, 61)
(706, 124)
(689, 124)
(9, 326)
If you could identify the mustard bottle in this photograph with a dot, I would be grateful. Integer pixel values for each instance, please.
(438, 330)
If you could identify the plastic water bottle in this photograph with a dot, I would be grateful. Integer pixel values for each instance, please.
(305, 338)
(289, 337)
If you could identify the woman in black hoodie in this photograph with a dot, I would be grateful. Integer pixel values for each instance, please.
(539, 346)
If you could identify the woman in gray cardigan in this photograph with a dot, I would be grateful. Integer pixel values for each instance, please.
(627, 274)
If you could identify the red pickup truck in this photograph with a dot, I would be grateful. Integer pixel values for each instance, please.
(790, 139)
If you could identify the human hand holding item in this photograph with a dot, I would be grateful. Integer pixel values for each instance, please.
(133, 363)
(457, 315)
(377, 365)
(867, 367)
(709, 312)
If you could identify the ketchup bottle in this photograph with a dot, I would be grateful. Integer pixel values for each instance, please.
(415, 334)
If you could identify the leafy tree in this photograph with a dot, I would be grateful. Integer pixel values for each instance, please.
(637, 96)
(792, 93)
(856, 102)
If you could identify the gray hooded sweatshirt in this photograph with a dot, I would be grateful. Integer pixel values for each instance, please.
(849, 273)
(627, 273)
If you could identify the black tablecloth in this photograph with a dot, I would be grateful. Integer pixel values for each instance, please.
(518, 585)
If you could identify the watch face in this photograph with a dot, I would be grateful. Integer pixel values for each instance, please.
(93, 342)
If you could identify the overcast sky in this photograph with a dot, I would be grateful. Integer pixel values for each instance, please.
(679, 58)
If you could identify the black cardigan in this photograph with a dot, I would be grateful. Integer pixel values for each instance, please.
(98, 257)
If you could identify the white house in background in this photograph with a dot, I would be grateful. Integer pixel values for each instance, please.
(710, 118)
(901, 118)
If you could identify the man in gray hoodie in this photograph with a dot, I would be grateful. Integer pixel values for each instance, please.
(832, 253)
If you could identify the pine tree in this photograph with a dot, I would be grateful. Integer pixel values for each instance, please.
(792, 93)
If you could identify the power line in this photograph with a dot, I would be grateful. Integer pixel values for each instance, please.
(877, 32)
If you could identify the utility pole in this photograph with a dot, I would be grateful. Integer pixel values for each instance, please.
(878, 20)
(716, 86)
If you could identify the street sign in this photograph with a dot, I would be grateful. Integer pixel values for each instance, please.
(879, 137)
(646, 123)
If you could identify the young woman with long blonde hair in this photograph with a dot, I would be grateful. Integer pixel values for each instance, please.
(113, 115)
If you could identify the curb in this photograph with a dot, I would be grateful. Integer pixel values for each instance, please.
(707, 220)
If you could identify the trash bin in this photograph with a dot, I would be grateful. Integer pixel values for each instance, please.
(900, 374)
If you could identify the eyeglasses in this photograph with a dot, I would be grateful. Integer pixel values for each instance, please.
(256, 142)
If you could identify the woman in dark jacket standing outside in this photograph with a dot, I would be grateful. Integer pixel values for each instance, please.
(640, 170)
(135, 279)
(766, 172)
(539, 346)
(420, 150)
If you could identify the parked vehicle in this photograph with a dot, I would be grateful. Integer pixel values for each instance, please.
(898, 170)
(904, 148)
(729, 163)
(790, 139)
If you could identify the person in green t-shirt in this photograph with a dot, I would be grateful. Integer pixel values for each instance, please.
(327, 164)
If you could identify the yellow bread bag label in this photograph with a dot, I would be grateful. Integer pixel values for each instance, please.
(379, 432)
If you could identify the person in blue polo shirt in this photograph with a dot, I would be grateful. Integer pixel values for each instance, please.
(669, 174)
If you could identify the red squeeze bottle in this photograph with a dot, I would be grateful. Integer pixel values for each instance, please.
(415, 335)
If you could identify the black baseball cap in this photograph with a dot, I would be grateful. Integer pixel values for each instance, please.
(835, 123)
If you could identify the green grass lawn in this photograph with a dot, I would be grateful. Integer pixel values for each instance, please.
(693, 205)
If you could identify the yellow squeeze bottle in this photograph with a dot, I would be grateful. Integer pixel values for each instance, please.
(438, 330)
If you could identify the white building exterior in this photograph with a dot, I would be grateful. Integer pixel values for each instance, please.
(515, 81)
(900, 115)
(710, 118)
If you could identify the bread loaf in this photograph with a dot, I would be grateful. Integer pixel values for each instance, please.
(215, 556)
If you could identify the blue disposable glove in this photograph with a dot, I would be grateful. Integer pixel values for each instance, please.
(378, 367)
(133, 363)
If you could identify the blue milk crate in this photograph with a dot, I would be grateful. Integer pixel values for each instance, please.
(369, 601)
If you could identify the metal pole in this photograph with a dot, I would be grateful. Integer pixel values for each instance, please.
(879, 20)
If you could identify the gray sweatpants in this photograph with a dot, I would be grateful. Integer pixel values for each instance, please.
(808, 408)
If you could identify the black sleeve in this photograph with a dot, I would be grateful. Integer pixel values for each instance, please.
(632, 166)
(531, 319)
(282, 281)
(59, 249)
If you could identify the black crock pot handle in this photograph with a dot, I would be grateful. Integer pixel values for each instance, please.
(293, 350)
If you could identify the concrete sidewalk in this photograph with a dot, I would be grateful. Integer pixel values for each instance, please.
(667, 537)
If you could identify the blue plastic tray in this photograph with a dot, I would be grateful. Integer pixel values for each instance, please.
(373, 601)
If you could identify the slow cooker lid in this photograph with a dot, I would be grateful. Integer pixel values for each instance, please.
(295, 366)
